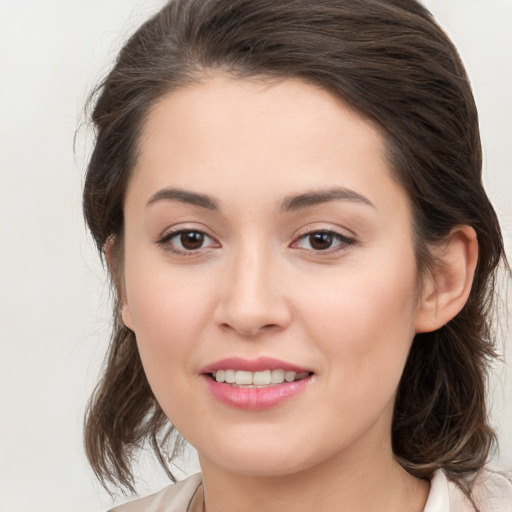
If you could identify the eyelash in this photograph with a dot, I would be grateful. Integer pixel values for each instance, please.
(343, 241)
(166, 241)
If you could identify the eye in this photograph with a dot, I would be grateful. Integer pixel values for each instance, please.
(323, 240)
(187, 241)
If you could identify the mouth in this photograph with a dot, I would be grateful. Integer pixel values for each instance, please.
(258, 384)
(258, 379)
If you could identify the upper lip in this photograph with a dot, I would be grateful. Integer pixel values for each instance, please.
(252, 365)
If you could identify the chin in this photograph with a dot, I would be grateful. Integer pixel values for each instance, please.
(276, 458)
(261, 466)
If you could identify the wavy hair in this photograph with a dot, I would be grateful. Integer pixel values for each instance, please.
(391, 62)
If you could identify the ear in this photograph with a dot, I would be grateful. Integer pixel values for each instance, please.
(447, 287)
(116, 273)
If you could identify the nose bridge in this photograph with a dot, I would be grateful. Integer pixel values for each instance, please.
(251, 299)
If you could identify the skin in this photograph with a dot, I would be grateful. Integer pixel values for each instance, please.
(258, 286)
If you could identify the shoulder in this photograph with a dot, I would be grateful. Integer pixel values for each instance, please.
(491, 491)
(173, 498)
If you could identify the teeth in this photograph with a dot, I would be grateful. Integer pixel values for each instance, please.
(263, 378)
(289, 376)
(243, 378)
(277, 376)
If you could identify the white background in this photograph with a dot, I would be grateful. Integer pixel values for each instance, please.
(54, 309)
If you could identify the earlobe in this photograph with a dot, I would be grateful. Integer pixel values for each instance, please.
(116, 272)
(126, 315)
(446, 289)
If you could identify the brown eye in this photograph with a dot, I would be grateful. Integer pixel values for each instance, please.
(192, 240)
(320, 241)
(327, 241)
(187, 241)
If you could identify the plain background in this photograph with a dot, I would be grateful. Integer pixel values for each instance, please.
(54, 299)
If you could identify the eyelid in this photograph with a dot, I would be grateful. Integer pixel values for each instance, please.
(165, 239)
(344, 240)
(341, 241)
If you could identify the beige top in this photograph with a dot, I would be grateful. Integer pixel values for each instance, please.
(492, 493)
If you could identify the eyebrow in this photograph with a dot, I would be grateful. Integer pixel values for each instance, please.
(183, 196)
(316, 197)
(288, 204)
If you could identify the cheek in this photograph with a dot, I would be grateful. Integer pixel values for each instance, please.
(168, 310)
(167, 317)
(365, 321)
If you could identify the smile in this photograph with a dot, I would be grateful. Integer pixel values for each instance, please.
(257, 379)
(256, 384)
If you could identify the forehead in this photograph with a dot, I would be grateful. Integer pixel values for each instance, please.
(230, 136)
(223, 108)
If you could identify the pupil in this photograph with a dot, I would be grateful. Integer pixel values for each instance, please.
(192, 240)
(321, 241)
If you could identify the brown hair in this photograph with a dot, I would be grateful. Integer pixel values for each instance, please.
(388, 60)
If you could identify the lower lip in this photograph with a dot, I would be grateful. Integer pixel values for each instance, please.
(255, 398)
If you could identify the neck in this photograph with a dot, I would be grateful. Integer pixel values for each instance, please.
(369, 484)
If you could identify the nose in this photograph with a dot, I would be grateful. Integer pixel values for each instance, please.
(252, 297)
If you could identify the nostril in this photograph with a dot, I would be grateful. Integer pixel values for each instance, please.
(249, 330)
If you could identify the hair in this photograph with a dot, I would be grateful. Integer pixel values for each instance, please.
(389, 61)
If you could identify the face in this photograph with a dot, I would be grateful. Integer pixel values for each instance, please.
(267, 243)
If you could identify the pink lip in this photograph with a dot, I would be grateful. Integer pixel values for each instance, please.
(253, 398)
(254, 365)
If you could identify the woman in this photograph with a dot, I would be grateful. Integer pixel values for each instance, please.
(288, 196)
